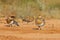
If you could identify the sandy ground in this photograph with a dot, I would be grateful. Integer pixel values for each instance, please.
(51, 31)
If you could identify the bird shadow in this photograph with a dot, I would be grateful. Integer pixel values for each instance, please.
(35, 28)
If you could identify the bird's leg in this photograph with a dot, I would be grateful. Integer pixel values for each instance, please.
(39, 27)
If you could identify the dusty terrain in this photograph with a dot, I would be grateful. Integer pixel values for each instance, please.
(51, 31)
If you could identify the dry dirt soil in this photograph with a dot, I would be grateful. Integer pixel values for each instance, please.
(51, 31)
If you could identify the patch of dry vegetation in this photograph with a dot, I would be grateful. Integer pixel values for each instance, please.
(46, 8)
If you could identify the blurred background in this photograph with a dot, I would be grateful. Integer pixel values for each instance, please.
(49, 9)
